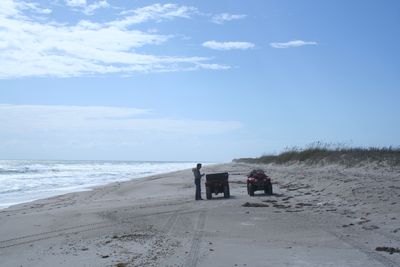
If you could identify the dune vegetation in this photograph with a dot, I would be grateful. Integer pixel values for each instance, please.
(331, 153)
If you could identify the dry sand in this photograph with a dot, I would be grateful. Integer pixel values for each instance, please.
(319, 216)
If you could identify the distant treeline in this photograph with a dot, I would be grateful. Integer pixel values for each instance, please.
(328, 153)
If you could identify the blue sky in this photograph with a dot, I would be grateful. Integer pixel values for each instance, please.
(195, 80)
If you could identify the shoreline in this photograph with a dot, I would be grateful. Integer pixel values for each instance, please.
(318, 215)
(51, 193)
(88, 189)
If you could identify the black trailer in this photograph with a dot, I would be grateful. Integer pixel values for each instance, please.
(217, 183)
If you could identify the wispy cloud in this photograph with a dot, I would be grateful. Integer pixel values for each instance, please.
(213, 66)
(295, 43)
(98, 120)
(225, 17)
(228, 45)
(34, 47)
(155, 12)
(16, 8)
(38, 131)
(87, 9)
(34, 7)
(75, 3)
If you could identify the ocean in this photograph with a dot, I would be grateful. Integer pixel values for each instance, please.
(27, 180)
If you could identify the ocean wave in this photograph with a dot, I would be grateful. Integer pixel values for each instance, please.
(23, 181)
(18, 171)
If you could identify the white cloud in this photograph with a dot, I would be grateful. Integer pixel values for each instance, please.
(88, 120)
(213, 66)
(46, 112)
(32, 47)
(156, 12)
(224, 17)
(295, 43)
(228, 45)
(96, 5)
(15, 8)
(8, 7)
(98, 132)
(75, 3)
(87, 9)
(34, 7)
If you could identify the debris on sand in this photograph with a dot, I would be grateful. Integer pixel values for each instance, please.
(281, 206)
(294, 210)
(303, 205)
(388, 249)
(331, 210)
(370, 228)
(363, 221)
(121, 264)
(133, 237)
(270, 201)
(255, 205)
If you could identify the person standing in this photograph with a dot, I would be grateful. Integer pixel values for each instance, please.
(197, 181)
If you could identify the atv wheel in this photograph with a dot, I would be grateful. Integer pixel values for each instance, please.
(208, 192)
(251, 190)
(226, 191)
(268, 189)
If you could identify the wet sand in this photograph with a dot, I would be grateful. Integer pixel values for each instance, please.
(319, 216)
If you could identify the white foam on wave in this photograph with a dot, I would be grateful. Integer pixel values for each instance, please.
(24, 181)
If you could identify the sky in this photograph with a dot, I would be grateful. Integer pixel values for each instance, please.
(195, 80)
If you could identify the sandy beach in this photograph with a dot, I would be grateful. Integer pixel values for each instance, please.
(325, 215)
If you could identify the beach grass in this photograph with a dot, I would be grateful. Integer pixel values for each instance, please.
(319, 152)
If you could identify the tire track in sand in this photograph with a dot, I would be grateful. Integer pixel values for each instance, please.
(170, 223)
(193, 256)
(32, 238)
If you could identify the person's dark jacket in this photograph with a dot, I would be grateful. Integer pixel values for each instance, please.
(197, 175)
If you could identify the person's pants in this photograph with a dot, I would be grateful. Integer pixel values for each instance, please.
(198, 190)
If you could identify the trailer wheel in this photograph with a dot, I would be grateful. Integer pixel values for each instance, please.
(226, 191)
(251, 190)
(208, 192)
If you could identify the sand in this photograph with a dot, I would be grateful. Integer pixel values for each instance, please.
(319, 216)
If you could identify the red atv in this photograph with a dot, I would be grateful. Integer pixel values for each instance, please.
(258, 180)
